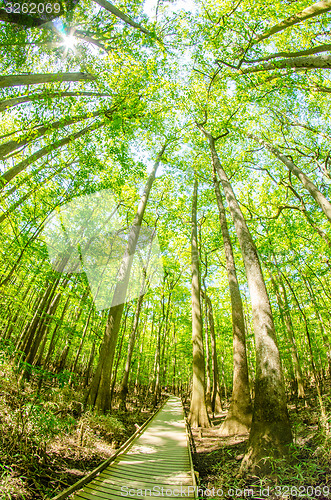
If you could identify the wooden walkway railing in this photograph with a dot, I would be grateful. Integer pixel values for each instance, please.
(155, 462)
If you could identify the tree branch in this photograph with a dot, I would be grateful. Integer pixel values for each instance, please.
(314, 50)
(323, 62)
(314, 10)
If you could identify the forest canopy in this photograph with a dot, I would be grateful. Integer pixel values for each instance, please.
(177, 152)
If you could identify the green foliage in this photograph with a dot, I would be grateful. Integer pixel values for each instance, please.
(106, 426)
(146, 89)
(26, 419)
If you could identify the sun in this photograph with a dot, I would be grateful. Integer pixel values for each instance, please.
(69, 42)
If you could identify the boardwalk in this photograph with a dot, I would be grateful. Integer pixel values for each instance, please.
(158, 463)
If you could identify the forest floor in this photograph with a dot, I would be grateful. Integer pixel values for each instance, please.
(48, 443)
(307, 475)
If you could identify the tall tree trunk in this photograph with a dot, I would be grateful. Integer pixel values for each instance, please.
(313, 10)
(33, 79)
(53, 341)
(124, 384)
(118, 13)
(198, 416)
(157, 369)
(72, 330)
(325, 47)
(285, 313)
(204, 301)
(125, 379)
(239, 416)
(44, 302)
(27, 195)
(319, 318)
(79, 350)
(9, 147)
(317, 376)
(270, 432)
(141, 350)
(174, 364)
(216, 402)
(152, 380)
(89, 366)
(119, 352)
(18, 319)
(208, 377)
(43, 324)
(46, 150)
(165, 342)
(165, 358)
(53, 337)
(308, 62)
(14, 101)
(99, 391)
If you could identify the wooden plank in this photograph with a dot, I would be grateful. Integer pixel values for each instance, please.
(89, 496)
(79, 484)
(152, 478)
(94, 496)
(113, 480)
(158, 458)
(140, 474)
(143, 467)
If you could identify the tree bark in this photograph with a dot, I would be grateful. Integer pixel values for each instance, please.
(118, 13)
(99, 391)
(24, 164)
(42, 334)
(326, 47)
(43, 305)
(208, 377)
(285, 313)
(33, 79)
(40, 131)
(26, 196)
(239, 416)
(157, 370)
(119, 352)
(140, 355)
(309, 62)
(314, 10)
(14, 101)
(89, 366)
(125, 379)
(53, 337)
(198, 416)
(216, 403)
(165, 341)
(174, 364)
(44, 322)
(72, 323)
(133, 337)
(80, 347)
(317, 376)
(270, 432)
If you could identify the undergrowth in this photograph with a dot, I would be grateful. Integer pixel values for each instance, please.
(47, 440)
(306, 473)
